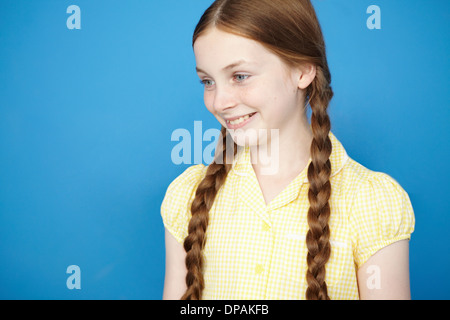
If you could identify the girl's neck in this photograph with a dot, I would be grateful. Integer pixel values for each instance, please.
(283, 159)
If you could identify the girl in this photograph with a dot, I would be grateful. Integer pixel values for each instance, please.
(322, 226)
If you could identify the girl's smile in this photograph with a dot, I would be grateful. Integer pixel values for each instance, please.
(240, 121)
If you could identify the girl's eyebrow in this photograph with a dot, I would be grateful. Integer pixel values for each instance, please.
(230, 66)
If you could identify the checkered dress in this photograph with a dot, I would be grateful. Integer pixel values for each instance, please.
(256, 250)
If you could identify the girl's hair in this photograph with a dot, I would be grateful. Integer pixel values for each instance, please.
(290, 29)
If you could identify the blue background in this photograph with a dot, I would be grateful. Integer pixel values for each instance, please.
(86, 118)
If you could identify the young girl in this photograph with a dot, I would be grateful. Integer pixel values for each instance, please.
(322, 226)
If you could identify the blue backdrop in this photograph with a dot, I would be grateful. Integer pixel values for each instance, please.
(86, 118)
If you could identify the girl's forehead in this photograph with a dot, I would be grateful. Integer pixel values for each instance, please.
(216, 47)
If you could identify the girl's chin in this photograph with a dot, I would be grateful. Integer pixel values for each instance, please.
(249, 138)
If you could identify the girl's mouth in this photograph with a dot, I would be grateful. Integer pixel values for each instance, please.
(239, 123)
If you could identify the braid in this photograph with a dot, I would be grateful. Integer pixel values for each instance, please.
(319, 171)
(194, 243)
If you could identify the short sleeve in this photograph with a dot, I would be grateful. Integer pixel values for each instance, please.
(381, 214)
(175, 208)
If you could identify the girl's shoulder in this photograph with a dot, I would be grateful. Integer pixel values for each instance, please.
(379, 209)
(188, 178)
(361, 180)
(351, 176)
(175, 207)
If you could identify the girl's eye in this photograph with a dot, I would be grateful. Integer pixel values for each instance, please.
(207, 83)
(241, 77)
(238, 77)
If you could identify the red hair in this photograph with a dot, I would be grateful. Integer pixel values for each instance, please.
(291, 30)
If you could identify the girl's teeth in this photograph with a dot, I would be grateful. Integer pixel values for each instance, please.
(240, 120)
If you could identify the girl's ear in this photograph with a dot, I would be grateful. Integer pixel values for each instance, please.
(306, 74)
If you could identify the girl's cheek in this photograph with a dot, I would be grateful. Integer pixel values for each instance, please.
(209, 100)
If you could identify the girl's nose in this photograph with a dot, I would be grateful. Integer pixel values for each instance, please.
(224, 99)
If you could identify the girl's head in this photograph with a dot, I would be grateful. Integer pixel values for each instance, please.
(264, 58)
(242, 78)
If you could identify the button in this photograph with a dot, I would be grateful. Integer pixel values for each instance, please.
(259, 269)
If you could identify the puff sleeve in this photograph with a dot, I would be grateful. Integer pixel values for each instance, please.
(381, 214)
(176, 205)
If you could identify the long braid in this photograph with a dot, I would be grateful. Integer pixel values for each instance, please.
(319, 171)
(204, 198)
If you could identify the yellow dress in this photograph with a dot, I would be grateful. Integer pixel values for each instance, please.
(258, 251)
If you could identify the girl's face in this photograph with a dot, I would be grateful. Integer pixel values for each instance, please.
(248, 87)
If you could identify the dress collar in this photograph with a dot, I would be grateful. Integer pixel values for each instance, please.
(249, 189)
(338, 158)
